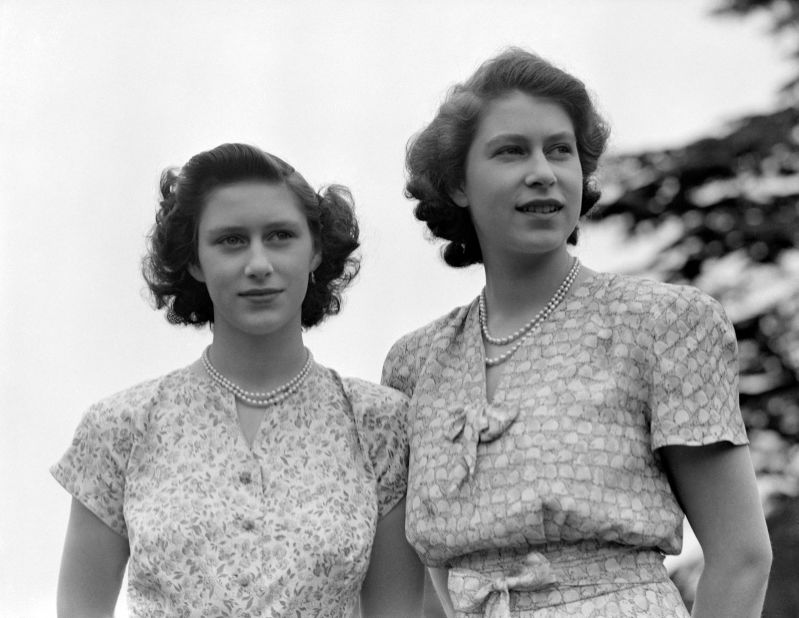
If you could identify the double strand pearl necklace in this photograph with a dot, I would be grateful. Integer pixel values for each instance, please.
(525, 331)
(254, 398)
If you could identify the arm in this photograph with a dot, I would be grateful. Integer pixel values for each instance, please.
(394, 583)
(92, 566)
(715, 485)
(439, 578)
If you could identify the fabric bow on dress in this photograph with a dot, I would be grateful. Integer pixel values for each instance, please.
(470, 425)
(471, 590)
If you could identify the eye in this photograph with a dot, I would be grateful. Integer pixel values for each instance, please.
(231, 241)
(281, 235)
(509, 150)
(561, 150)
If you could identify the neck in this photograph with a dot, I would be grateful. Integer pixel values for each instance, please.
(515, 288)
(258, 363)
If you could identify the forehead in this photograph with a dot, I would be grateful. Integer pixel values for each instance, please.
(522, 113)
(251, 201)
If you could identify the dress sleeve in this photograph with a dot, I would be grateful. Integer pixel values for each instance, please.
(384, 431)
(94, 466)
(694, 389)
(400, 367)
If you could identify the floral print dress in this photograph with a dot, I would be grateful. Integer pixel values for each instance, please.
(219, 528)
(551, 500)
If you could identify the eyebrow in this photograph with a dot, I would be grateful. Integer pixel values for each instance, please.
(230, 229)
(518, 137)
(567, 135)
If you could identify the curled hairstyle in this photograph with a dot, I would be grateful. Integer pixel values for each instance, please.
(436, 157)
(172, 243)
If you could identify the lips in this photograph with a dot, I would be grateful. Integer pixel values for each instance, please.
(259, 293)
(540, 207)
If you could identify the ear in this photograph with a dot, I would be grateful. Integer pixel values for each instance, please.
(316, 260)
(459, 197)
(197, 272)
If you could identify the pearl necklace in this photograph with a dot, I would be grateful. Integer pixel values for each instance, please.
(525, 331)
(259, 400)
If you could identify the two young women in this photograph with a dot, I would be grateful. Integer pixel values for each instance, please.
(560, 425)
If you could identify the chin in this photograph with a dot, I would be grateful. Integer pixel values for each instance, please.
(541, 246)
(261, 330)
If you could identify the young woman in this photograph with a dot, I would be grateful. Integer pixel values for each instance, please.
(254, 482)
(564, 421)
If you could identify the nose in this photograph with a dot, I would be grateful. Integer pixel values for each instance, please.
(258, 263)
(539, 172)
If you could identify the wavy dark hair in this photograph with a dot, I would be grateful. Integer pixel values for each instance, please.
(436, 157)
(172, 242)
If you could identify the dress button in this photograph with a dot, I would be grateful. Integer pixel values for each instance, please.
(248, 524)
(245, 478)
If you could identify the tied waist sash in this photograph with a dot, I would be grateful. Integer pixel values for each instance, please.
(481, 584)
(472, 590)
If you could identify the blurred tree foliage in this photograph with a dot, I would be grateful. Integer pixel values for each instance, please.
(784, 16)
(722, 213)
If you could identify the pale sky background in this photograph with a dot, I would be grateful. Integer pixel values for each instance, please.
(97, 96)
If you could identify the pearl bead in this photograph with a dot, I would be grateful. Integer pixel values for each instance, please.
(523, 333)
(260, 400)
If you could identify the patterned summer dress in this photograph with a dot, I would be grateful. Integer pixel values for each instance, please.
(219, 528)
(551, 499)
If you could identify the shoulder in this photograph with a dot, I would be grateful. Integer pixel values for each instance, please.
(674, 323)
(369, 393)
(661, 301)
(425, 335)
(133, 405)
(371, 400)
(409, 352)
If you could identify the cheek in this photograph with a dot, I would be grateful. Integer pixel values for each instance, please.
(573, 183)
(299, 270)
(217, 275)
(212, 285)
(486, 182)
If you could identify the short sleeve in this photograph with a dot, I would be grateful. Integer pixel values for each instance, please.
(694, 389)
(398, 368)
(93, 467)
(382, 413)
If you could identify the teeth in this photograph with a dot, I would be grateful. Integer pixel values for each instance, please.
(541, 210)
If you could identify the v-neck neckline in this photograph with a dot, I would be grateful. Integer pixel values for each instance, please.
(476, 359)
(231, 414)
(474, 341)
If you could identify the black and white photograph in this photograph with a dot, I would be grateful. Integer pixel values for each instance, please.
(399, 308)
